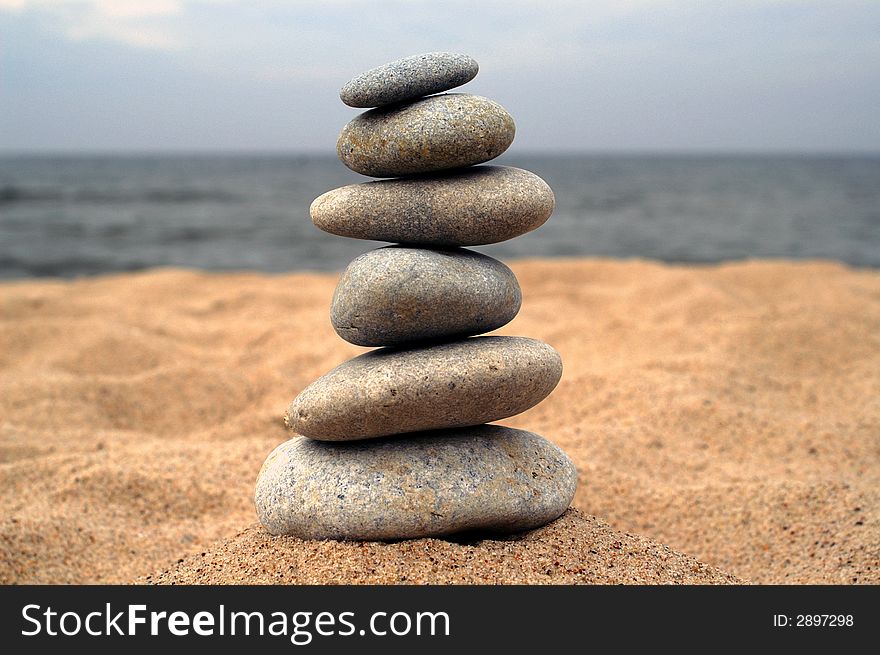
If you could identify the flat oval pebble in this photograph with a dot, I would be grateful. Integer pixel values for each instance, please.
(409, 78)
(392, 390)
(483, 478)
(431, 134)
(471, 207)
(395, 295)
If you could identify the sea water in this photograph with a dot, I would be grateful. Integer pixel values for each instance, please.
(71, 216)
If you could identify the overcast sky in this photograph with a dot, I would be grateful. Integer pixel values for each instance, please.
(595, 75)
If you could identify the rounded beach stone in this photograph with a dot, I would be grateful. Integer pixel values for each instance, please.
(431, 134)
(470, 207)
(395, 295)
(483, 478)
(409, 78)
(394, 390)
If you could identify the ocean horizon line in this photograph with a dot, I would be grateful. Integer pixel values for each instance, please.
(670, 153)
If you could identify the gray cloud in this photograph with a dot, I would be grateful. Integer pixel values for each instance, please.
(611, 75)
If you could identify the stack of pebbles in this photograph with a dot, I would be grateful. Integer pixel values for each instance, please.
(393, 442)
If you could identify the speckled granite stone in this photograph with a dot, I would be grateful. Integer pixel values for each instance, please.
(487, 478)
(392, 390)
(395, 295)
(409, 78)
(431, 134)
(469, 207)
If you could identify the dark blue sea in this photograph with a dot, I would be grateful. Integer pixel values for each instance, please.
(85, 215)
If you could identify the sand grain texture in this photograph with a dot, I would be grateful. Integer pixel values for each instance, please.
(725, 421)
(574, 549)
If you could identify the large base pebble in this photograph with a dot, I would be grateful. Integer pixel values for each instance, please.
(431, 134)
(394, 390)
(482, 478)
(471, 207)
(396, 295)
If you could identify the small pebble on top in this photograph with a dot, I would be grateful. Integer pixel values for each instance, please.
(409, 78)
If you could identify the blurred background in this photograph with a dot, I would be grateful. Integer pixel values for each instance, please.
(197, 132)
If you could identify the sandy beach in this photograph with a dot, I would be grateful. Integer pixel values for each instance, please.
(724, 419)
